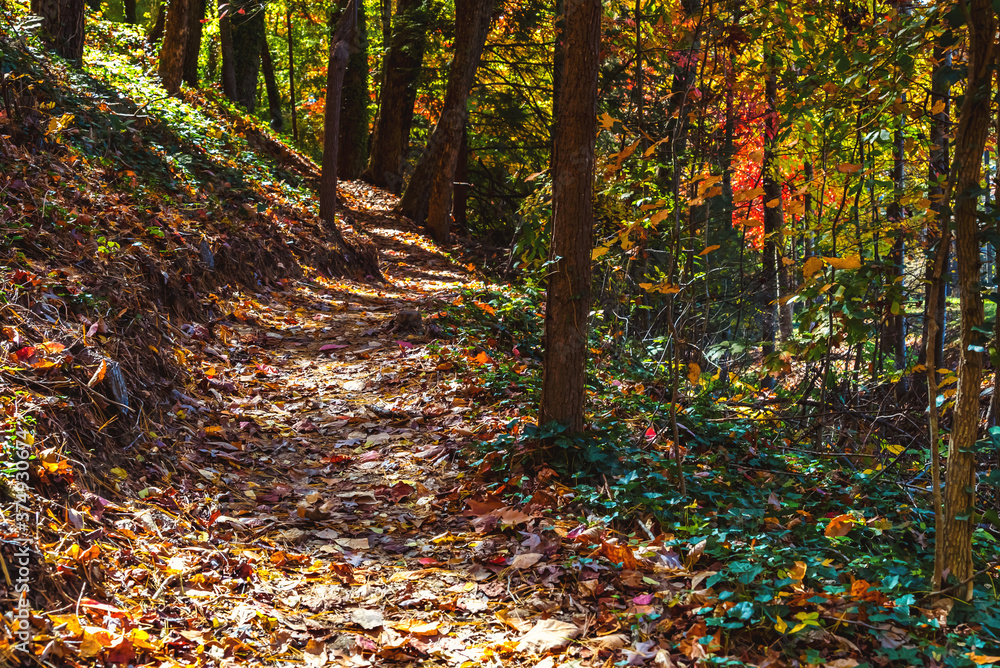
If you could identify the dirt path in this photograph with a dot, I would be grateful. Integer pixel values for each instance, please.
(313, 518)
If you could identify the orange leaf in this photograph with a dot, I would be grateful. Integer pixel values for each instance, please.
(840, 525)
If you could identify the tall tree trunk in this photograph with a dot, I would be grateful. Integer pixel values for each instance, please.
(248, 36)
(938, 162)
(340, 52)
(159, 23)
(398, 95)
(129, 8)
(428, 194)
(459, 207)
(774, 313)
(893, 338)
(271, 86)
(226, 46)
(62, 26)
(970, 141)
(192, 49)
(353, 150)
(568, 294)
(171, 65)
(291, 75)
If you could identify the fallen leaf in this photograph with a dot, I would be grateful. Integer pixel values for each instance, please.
(548, 635)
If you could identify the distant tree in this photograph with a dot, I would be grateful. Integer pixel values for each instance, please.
(129, 9)
(62, 26)
(248, 27)
(171, 65)
(568, 294)
(353, 148)
(226, 47)
(428, 194)
(192, 48)
(271, 86)
(340, 51)
(398, 94)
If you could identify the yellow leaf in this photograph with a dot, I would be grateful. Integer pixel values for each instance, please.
(938, 107)
(646, 286)
(599, 252)
(120, 472)
(787, 261)
(58, 124)
(851, 262)
(798, 572)
(895, 449)
(694, 374)
(709, 249)
(606, 121)
(813, 264)
(781, 626)
(773, 203)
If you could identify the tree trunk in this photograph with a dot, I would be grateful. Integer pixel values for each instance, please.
(428, 194)
(129, 8)
(291, 75)
(62, 26)
(248, 37)
(196, 12)
(970, 141)
(271, 85)
(353, 150)
(171, 65)
(226, 46)
(893, 337)
(398, 95)
(159, 23)
(459, 208)
(773, 223)
(568, 294)
(340, 44)
(939, 159)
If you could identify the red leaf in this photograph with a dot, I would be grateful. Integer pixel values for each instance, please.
(24, 353)
(650, 434)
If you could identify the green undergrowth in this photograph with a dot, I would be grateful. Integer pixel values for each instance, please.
(798, 548)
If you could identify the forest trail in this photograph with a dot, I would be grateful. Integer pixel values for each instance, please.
(344, 474)
(323, 516)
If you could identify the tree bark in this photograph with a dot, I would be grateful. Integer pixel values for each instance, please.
(353, 150)
(773, 223)
(893, 338)
(568, 294)
(129, 8)
(271, 86)
(398, 95)
(62, 27)
(247, 37)
(159, 23)
(171, 65)
(291, 75)
(939, 159)
(428, 194)
(340, 44)
(226, 46)
(192, 49)
(970, 141)
(459, 208)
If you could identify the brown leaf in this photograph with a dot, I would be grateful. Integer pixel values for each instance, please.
(548, 635)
